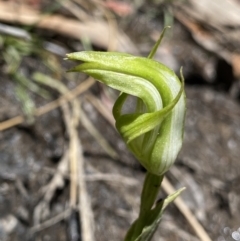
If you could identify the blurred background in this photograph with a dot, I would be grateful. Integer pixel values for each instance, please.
(65, 174)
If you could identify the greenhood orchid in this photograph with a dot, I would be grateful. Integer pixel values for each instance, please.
(154, 132)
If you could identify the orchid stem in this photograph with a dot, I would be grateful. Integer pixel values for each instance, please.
(151, 186)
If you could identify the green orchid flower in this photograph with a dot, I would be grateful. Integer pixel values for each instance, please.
(154, 132)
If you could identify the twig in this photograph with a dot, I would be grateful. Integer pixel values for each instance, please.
(71, 122)
(101, 108)
(52, 221)
(113, 26)
(77, 177)
(41, 211)
(13, 13)
(99, 176)
(97, 135)
(111, 19)
(71, 129)
(75, 10)
(169, 225)
(14, 31)
(201, 233)
(132, 201)
(21, 188)
(78, 190)
(112, 178)
(58, 179)
(68, 96)
(86, 214)
(50, 106)
(11, 122)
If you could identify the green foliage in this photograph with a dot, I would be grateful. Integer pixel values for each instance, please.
(154, 216)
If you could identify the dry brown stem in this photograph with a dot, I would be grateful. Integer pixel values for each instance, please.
(50, 106)
(78, 190)
(97, 135)
(52, 221)
(197, 227)
(42, 210)
(97, 31)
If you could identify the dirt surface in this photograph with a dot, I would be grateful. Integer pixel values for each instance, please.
(208, 164)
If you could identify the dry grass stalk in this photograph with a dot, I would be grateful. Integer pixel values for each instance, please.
(15, 13)
(42, 210)
(50, 222)
(97, 135)
(50, 106)
(197, 227)
(78, 190)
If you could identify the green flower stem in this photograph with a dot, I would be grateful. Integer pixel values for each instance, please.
(152, 184)
(150, 191)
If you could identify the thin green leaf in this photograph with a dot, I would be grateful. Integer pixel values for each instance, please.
(156, 215)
